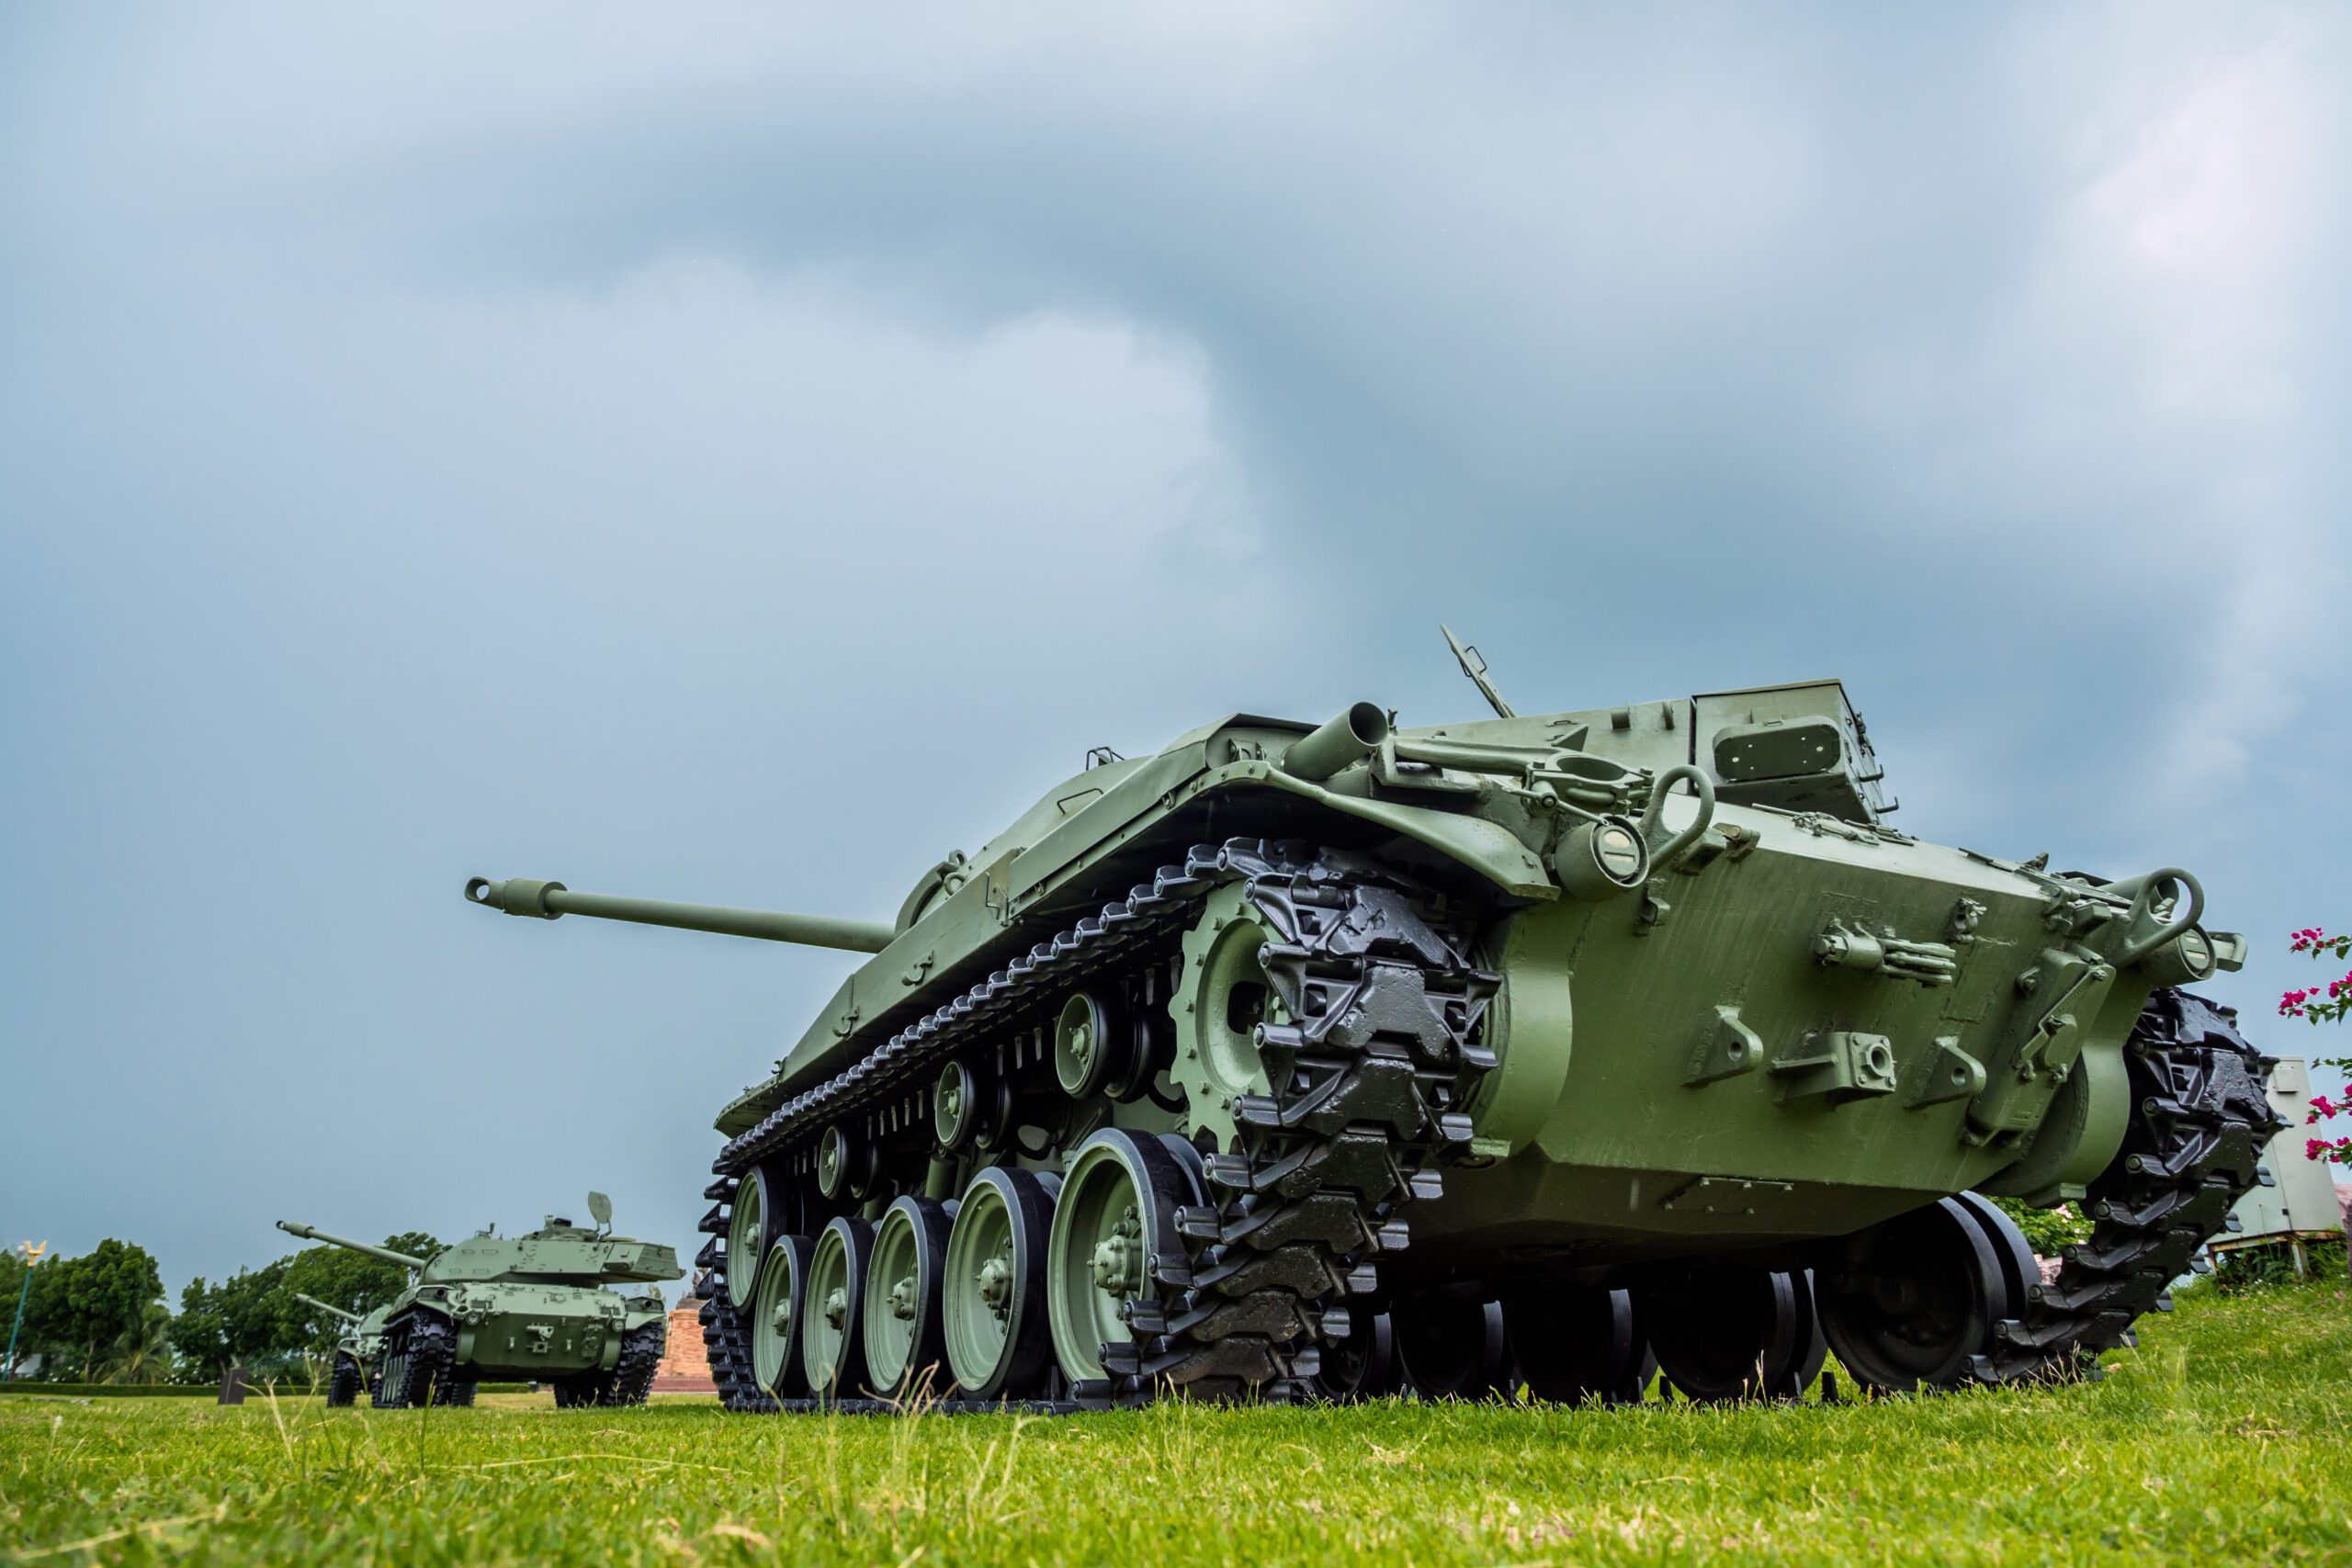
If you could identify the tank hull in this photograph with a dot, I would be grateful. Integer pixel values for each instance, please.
(540, 1335)
(1617, 1143)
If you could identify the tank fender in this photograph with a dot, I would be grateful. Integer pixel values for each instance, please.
(1487, 848)
(961, 919)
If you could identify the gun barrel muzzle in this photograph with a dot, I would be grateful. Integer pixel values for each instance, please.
(547, 900)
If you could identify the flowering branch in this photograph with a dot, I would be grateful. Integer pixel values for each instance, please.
(2330, 1004)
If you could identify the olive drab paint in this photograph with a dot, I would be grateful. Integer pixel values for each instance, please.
(1699, 1000)
(528, 1308)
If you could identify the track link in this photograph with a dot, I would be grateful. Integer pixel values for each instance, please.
(727, 1345)
(420, 1349)
(631, 1380)
(1380, 1050)
(2200, 1121)
(343, 1383)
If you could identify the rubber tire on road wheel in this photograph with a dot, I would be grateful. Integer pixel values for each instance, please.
(1908, 1303)
(1010, 1213)
(777, 1366)
(910, 1251)
(1451, 1347)
(1364, 1365)
(1576, 1344)
(1725, 1334)
(834, 1354)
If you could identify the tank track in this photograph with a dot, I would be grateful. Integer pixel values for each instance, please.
(727, 1343)
(629, 1382)
(343, 1383)
(419, 1351)
(1368, 1077)
(631, 1378)
(2198, 1124)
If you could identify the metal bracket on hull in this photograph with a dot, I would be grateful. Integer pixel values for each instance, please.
(1837, 1066)
(2040, 1051)
(1739, 1195)
(1730, 1049)
(1948, 1074)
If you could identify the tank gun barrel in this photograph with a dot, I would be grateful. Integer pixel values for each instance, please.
(519, 896)
(309, 1233)
(327, 1307)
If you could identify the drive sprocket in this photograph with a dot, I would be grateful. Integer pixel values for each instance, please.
(1222, 996)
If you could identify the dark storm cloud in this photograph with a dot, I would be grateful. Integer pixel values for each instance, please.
(741, 464)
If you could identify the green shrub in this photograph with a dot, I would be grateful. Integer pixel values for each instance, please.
(2047, 1231)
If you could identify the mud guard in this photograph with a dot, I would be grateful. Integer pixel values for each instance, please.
(1487, 848)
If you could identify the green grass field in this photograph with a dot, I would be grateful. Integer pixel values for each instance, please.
(2227, 1437)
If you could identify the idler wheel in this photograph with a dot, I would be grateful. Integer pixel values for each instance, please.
(776, 1363)
(1362, 1364)
(1451, 1347)
(993, 1300)
(905, 1346)
(1728, 1333)
(1908, 1303)
(751, 1229)
(833, 1328)
(1576, 1344)
(1115, 1218)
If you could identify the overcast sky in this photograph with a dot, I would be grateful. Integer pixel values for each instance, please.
(741, 460)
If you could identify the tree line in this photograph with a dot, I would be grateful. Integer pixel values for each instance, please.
(101, 1317)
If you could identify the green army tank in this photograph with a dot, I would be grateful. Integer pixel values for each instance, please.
(526, 1308)
(357, 1352)
(1642, 1025)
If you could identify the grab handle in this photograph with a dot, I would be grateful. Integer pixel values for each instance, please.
(1654, 816)
(2189, 907)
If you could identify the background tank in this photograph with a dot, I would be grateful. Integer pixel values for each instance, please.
(357, 1352)
(1305, 1059)
(528, 1308)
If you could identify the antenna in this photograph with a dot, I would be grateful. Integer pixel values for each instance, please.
(1475, 668)
(600, 1209)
